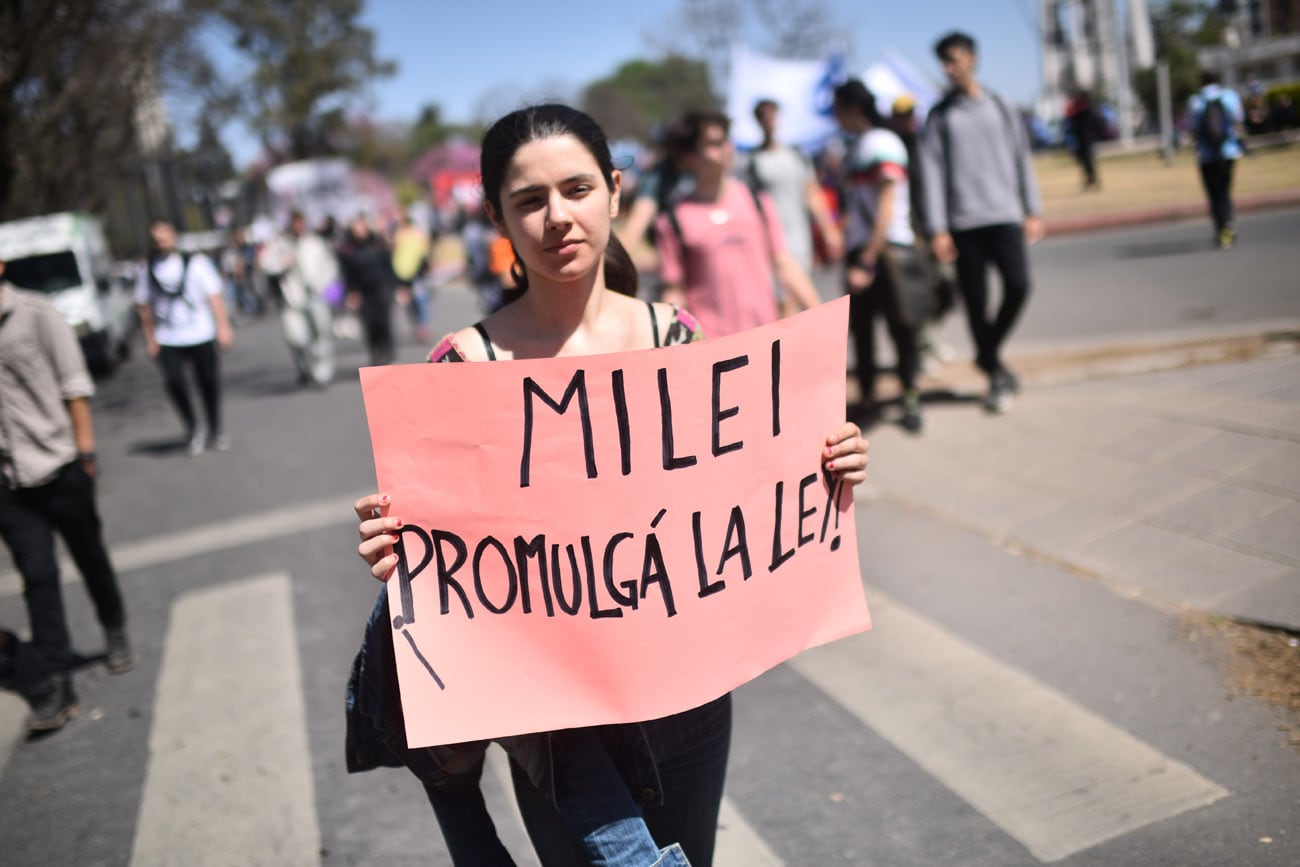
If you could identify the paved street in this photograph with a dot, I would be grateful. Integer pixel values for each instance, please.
(1029, 694)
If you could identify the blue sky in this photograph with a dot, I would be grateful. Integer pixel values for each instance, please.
(469, 56)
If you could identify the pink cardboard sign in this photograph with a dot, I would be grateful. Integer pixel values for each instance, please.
(613, 538)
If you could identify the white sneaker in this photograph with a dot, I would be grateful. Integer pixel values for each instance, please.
(221, 442)
(198, 442)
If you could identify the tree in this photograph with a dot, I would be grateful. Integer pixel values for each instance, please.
(309, 58)
(782, 28)
(642, 93)
(75, 77)
(1181, 28)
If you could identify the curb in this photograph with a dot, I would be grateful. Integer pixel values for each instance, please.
(1165, 214)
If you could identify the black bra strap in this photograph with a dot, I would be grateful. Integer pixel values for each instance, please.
(654, 322)
(487, 341)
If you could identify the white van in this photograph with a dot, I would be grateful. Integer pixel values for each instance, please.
(66, 257)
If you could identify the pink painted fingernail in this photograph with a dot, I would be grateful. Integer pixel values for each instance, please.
(399, 523)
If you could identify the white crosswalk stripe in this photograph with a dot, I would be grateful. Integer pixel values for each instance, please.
(1050, 773)
(229, 779)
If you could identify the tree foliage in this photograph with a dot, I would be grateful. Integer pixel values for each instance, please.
(642, 93)
(782, 28)
(310, 57)
(75, 76)
(1180, 28)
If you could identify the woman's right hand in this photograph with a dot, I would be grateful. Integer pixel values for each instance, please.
(378, 532)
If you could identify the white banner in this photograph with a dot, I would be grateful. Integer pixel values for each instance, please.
(802, 88)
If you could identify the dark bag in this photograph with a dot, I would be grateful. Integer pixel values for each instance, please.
(914, 281)
(1214, 126)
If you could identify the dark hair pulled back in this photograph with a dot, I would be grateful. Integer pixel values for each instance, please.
(550, 120)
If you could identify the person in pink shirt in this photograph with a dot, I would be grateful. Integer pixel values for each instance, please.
(721, 249)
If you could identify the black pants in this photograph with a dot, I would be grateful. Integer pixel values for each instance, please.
(377, 323)
(1002, 246)
(1216, 177)
(1086, 154)
(881, 298)
(28, 519)
(202, 358)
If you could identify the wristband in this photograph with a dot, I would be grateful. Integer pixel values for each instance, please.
(85, 456)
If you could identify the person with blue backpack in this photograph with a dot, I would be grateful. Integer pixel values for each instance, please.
(1216, 115)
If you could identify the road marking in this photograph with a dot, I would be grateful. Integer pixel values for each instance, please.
(229, 779)
(1053, 775)
(13, 725)
(208, 538)
(739, 845)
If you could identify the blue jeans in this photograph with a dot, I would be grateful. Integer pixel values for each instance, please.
(678, 786)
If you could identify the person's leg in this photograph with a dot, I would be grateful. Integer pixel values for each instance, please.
(862, 324)
(466, 825)
(171, 360)
(1212, 179)
(972, 280)
(888, 289)
(1008, 251)
(690, 750)
(1229, 218)
(73, 512)
(207, 373)
(28, 534)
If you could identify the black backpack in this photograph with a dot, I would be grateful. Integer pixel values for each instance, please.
(1214, 125)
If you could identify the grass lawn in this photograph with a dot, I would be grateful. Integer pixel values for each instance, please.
(1144, 180)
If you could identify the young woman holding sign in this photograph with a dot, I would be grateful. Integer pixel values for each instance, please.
(550, 186)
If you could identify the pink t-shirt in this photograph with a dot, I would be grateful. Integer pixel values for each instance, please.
(726, 271)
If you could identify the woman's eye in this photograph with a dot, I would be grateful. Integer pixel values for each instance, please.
(580, 190)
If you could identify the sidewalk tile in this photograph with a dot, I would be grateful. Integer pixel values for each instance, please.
(1064, 530)
(1277, 534)
(1159, 437)
(1078, 474)
(1275, 602)
(1220, 510)
(1135, 550)
(1207, 574)
(1277, 471)
(1224, 454)
(1146, 490)
(987, 502)
(1288, 423)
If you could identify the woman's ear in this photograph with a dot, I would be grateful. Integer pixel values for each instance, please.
(615, 193)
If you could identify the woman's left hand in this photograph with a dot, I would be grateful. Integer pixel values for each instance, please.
(845, 454)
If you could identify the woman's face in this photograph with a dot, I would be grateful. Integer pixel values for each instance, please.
(556, 208)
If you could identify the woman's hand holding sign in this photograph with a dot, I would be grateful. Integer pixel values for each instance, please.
(845, 455)
(378, 534)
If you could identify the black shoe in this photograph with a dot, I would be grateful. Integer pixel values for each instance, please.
(1010, 380)
(911, 420)
(53, 705)
(118, 657)
(1000, 397)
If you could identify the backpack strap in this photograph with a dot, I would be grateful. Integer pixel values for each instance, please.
(156, 285)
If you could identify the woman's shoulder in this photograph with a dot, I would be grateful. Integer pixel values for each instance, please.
(464, 345)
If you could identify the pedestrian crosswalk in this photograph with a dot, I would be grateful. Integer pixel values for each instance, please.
(229, 778)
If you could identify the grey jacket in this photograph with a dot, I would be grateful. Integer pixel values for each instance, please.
(977, 165)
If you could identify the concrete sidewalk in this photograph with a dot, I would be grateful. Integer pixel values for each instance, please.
(1180, 488)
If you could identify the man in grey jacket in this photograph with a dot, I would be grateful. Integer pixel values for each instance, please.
(982, 205)
(47, 485)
